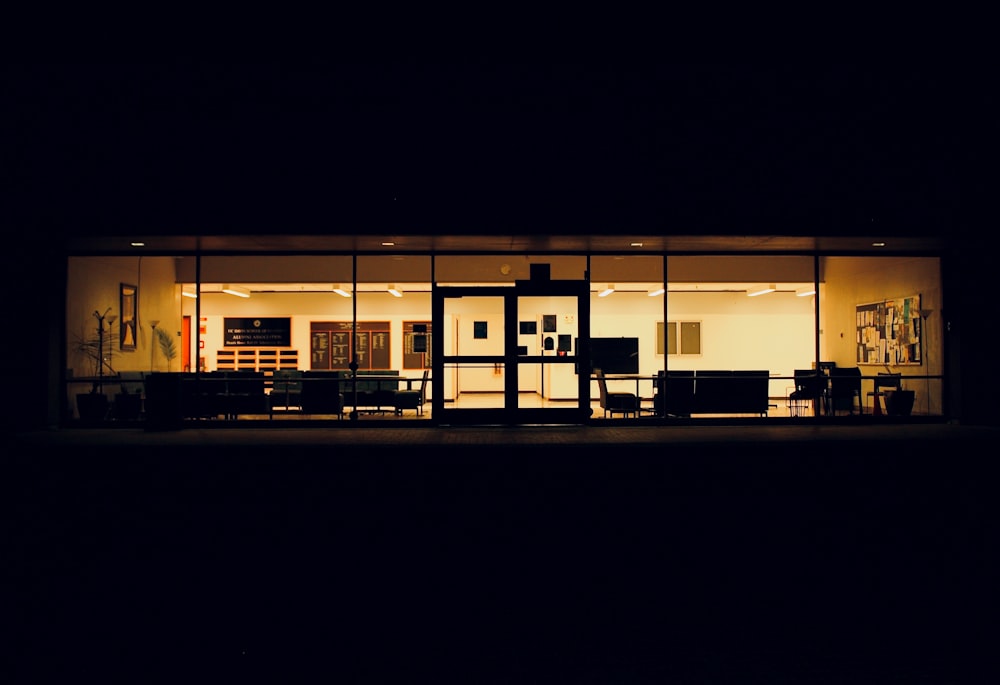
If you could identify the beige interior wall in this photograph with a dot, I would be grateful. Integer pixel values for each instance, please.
(851, 281)
(93, 285)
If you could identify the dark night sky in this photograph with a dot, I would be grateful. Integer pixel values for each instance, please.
(553, 148)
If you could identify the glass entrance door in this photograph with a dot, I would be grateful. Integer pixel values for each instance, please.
(510, 355)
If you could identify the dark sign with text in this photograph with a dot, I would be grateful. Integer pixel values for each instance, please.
(274, 332)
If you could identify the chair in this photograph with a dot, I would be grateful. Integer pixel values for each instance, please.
(844, 392)
(127, 404)
(674, 394)
(810, 385)
(884, 381)
(412, 399)
(244, 394)
(611, 402)
(286, 389)
(321, 393)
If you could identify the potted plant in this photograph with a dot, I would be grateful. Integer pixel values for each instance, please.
(163, 390)
(166, 343)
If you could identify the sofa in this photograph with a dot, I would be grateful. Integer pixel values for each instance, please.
(683, 393)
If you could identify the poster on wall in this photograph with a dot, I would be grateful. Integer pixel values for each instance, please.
(888, 332)
(128, 300)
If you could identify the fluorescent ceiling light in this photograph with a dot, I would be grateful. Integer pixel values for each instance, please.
(237, 290)
(393, 291)
(607, 291)
(189, 293)
(339, 289)
(761, 289)
(654, 293)
(805, 291)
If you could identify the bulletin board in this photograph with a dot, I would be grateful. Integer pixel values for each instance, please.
(888, 332)
(332, 342)
(416, 344)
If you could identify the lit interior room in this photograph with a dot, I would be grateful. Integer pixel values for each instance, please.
(512, 332)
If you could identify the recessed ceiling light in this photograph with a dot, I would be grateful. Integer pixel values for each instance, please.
(137, 243)
(878, 244)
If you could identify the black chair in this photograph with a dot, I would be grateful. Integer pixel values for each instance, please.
(810, 386)
(412, 399)
(286, 390)
(321, 393)
(884, 382)
(844, 393)
(244, 394)
(616, 402)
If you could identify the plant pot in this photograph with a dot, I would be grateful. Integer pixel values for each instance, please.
(899, 402)
(92, 407)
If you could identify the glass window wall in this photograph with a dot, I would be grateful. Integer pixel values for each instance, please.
(291, 317)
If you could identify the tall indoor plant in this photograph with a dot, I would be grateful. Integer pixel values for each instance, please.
(166, 343)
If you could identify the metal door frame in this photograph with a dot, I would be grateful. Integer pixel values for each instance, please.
(510, 413)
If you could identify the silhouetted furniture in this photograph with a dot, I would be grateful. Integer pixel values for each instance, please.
(616, 402)
(899, 402)
(810, 387)
(371, 390)
(127, 404)
(321, 393)
(286, 390)
(844, 391)
(674, 393)
(164, 403)
(731, 392)
(412, 399)
(243, 393)
(884, 382)
(683, 393)
(200, 394)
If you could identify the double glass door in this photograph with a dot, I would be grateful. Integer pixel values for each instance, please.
(512, 354)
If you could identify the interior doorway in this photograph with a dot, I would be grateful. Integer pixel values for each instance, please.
(513, 345)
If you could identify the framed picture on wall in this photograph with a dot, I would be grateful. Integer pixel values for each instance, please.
(128, 302)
